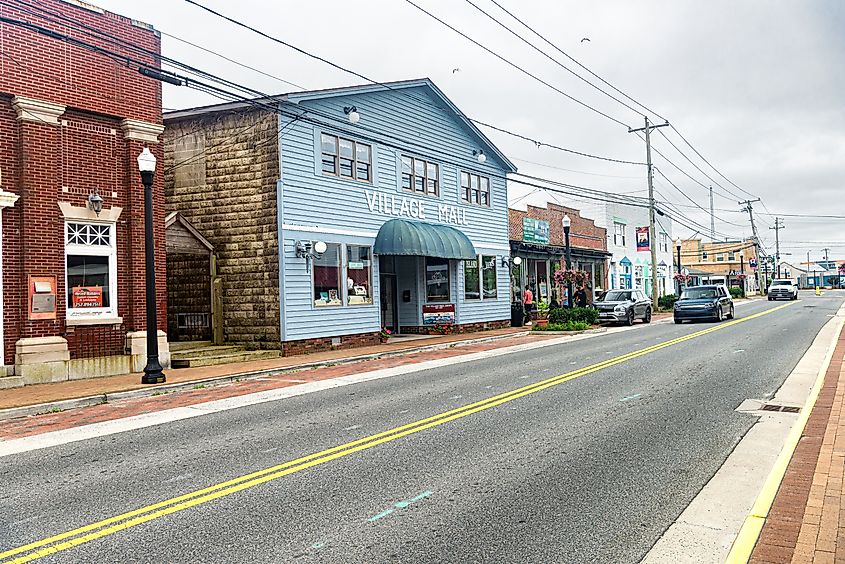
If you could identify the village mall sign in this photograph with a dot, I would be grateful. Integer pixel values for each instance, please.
(400, 206)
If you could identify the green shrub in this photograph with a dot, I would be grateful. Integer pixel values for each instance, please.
(737, 293)
(667, 301)
(586, 315)
(560, 315)
(567, 326)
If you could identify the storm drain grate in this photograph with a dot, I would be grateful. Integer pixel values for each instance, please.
(780, 408)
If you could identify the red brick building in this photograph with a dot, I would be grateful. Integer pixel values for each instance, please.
(537, 237)
(73, 119)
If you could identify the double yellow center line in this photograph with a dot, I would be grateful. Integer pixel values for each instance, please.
(106, 527)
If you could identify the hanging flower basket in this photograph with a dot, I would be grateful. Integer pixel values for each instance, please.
(681, 277)
(741, 277)
(576, 277)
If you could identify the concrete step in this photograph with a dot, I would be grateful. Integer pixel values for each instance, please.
(7, 382)
(204, 351)
(185, 345)
(240, 356)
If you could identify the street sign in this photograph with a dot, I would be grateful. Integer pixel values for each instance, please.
(752, 263)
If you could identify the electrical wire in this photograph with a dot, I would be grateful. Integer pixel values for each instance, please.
(510, 63)
(562, 52)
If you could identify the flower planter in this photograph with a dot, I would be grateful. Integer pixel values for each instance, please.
(541, 322)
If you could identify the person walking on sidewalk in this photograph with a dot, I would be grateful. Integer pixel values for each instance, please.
(528, 301)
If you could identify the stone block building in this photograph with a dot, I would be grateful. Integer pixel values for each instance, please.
(72, 122)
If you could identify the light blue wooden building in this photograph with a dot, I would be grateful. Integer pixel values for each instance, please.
(391, 210)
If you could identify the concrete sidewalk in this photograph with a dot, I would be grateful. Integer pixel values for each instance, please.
(806, 522)
(180, 377)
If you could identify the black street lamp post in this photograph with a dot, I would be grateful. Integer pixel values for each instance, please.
(678, 248)
(152, 371)
(566, 224)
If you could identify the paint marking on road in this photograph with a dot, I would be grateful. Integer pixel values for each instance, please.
(629, 398)
(737, 351)
(351, 427)
(106, 527)
(399, 505)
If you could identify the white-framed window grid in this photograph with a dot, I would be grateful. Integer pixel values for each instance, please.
(664, 243)
(619, 234)
(345, 295)
(485, 287)
(91, 239)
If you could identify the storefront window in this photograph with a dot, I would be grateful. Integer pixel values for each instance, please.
(488, 277)
(359, 275)
(436, 279)
(91, 264)
(471, 280)
(326, 269)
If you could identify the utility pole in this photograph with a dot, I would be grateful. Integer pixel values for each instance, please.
(777, 227)
(827, 265)
(750, 211)
(652, 235)
(712, 218)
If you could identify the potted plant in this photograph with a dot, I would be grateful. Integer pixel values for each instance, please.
(441, 329)
(542, 313)
(384, 334)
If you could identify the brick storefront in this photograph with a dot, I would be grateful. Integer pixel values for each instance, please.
(543, 252)
(72, 122)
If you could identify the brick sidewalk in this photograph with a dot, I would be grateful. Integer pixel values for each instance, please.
(73, 389)
(27, 426)
(807, 520)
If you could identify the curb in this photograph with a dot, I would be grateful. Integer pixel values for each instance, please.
(749, 533)
(64, 405)
(585, 331)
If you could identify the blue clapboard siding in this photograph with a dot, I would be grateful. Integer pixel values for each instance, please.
(407, 121)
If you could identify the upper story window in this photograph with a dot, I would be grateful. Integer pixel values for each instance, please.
(704, 255)
(475, 189)
(731, 255)
(619, 234)
(720, 257)
(420, 176)
(346, 158)
(664, 243)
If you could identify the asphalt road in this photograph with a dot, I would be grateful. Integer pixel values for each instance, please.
(592, 469)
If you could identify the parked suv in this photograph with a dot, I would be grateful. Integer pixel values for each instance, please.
(704, 302)
(623, 306)
(783, 290)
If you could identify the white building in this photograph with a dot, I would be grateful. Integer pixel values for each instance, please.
(630, 266)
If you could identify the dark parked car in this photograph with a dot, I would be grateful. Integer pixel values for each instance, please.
(704, 302)
(623, 306)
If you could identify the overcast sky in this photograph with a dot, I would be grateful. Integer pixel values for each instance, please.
(758, 87)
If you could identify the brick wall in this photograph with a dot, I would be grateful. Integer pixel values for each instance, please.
(49, 163)
(221, 175)
(48, 69)
(583, 232)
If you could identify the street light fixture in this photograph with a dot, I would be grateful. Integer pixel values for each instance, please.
(152, 371)
(566, 225)
(678, 247)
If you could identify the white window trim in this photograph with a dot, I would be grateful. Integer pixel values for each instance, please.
(104, 315)
(344, 277)
(480, 261)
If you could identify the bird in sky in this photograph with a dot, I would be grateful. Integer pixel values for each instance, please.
(455, 70)
(585, 39)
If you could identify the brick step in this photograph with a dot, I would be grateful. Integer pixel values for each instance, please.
(179, 354)
(241, 356)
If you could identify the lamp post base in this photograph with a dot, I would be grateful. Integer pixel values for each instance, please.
(153, 373)
(153, 378)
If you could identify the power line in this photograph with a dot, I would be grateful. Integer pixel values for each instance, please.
(562, 52)
(555, 61)
(543, 144)
(509, 63)
(545, 165)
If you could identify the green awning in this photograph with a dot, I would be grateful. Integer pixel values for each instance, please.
(415, 238)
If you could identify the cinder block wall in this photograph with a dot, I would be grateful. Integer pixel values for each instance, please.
(221, 173)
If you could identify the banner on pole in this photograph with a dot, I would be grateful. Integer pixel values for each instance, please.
(642, 239)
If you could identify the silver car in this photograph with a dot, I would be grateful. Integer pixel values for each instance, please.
(623, 306)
